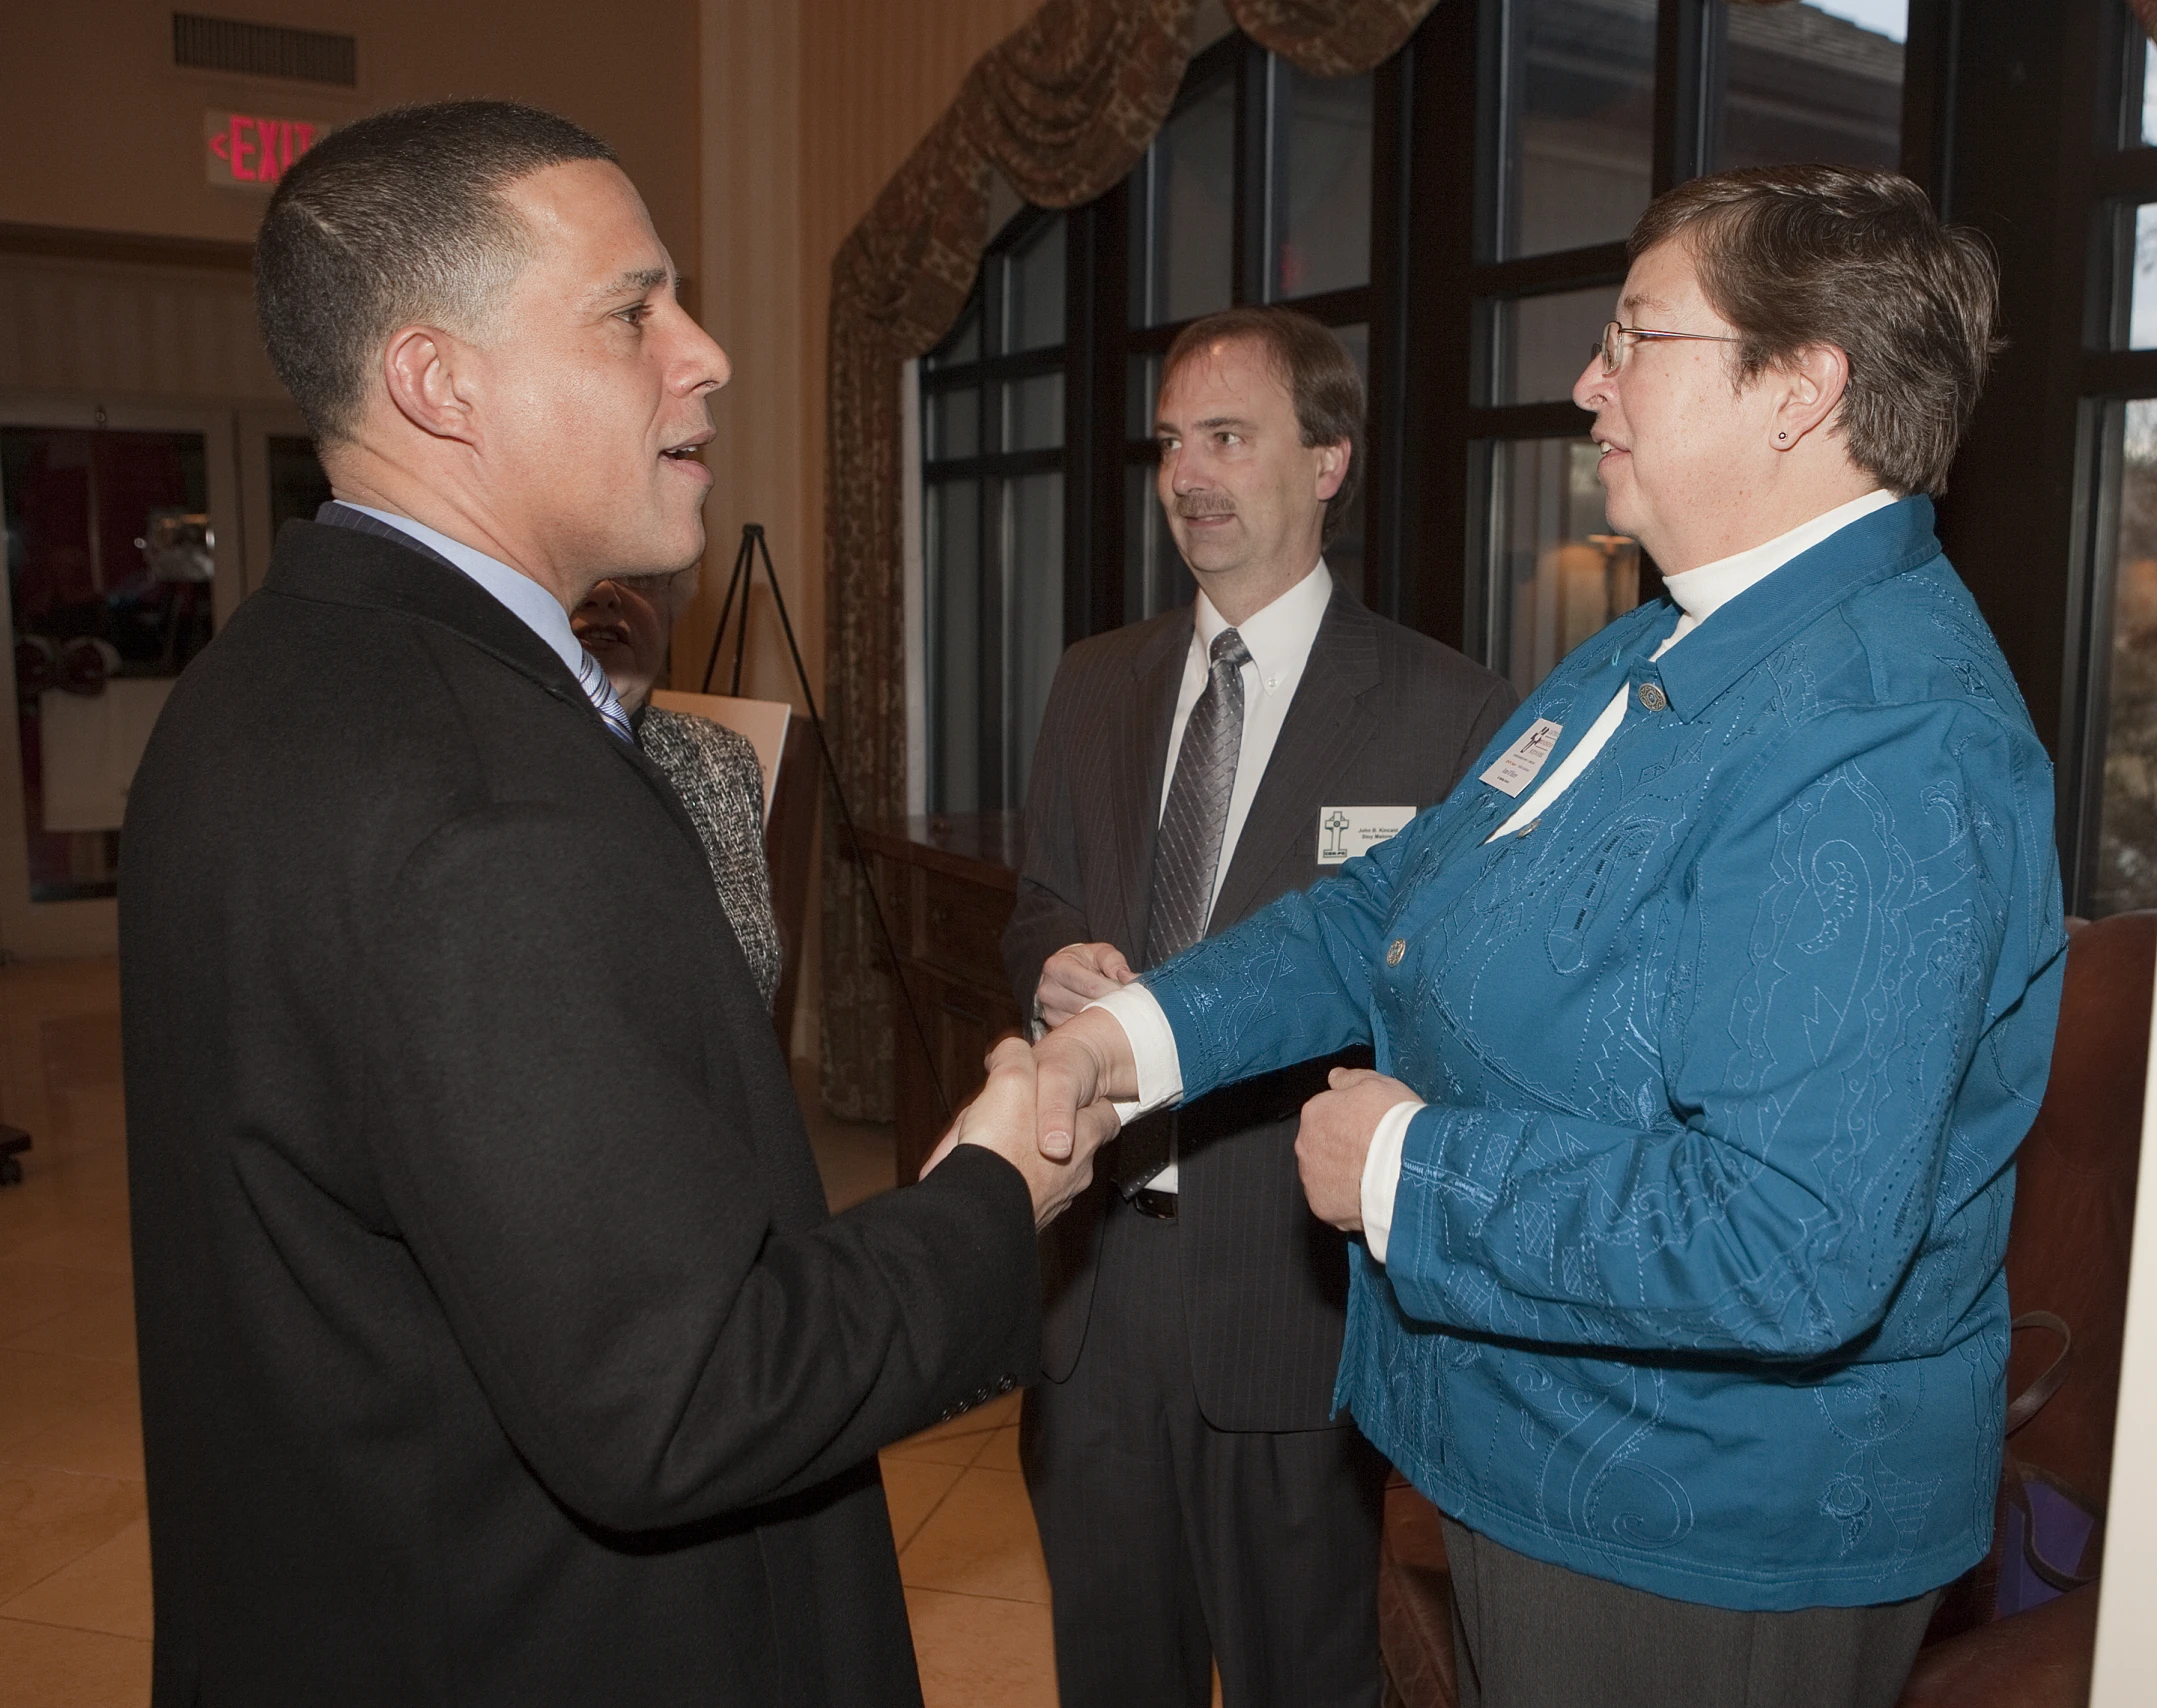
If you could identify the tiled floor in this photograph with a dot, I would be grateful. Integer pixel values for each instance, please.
(74, 1547)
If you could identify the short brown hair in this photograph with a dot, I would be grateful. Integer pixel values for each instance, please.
(395, 219)
(1798, 256)
(1318, 371)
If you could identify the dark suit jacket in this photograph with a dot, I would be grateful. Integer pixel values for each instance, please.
(496, 1344)
(1383, 717)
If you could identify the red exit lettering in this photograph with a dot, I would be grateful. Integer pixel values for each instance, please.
(251, 148)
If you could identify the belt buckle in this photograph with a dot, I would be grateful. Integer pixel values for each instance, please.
(1156, 1206)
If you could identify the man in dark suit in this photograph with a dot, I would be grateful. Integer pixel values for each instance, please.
(496, 1344)
(1198, 1505)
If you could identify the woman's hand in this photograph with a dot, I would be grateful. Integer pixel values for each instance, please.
(1076, 975)
(1334, 1139)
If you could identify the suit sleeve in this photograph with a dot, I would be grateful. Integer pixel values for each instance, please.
(1489, 719)
(1050, 912)
(575, 1164)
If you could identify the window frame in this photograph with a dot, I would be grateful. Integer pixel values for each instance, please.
(2106, 177)
(985, 374)
(1443, 582)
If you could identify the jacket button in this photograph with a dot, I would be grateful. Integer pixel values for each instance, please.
(1394, 954)
(1653, 697)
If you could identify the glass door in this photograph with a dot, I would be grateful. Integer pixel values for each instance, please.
(280, 482)
(119, 566)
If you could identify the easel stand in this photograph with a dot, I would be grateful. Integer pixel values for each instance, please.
(751, 551)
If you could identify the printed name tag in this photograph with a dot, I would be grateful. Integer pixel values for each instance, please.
(1518, 764)
(1345, 832)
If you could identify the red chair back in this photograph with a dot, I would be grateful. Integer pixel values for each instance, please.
(2068, 1245)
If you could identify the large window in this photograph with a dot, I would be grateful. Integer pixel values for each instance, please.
(1593, 107)
(1458, 216)
(992, 406)
(2112, 673)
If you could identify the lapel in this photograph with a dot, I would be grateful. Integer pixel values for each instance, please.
(1326, 727)
(373, 569)
(1138, 760)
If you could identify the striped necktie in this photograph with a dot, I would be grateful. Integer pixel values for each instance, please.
(597, 689)
(1195, 818)
(1186, 857)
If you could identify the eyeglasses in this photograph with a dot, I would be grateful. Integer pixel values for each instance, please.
(1617, 340)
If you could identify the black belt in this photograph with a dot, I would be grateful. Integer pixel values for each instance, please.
(1158, 1206)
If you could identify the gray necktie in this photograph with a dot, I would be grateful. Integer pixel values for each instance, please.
(1192, 824)
(1185, 858)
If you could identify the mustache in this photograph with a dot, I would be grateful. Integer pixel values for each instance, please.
(1193, 507)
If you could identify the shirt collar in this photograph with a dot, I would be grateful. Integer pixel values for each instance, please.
(1893, 539)
(530, 603)
(1699, 593)
(1278, 636)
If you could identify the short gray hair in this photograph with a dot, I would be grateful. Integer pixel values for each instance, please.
(1798, 256)
(394, 220)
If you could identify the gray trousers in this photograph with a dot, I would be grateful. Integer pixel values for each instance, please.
(1171, 1544)
(1531, 1635)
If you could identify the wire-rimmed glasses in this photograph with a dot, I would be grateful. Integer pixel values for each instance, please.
(1618, 339)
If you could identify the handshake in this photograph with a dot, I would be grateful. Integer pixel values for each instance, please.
(1047, 1108)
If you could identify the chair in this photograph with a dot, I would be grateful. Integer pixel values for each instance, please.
(786, 752)
(2067, 1253)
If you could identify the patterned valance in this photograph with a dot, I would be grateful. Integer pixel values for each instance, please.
(1063, 108)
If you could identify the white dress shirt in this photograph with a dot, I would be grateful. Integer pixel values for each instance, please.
(1699, 593)
(1279, 639)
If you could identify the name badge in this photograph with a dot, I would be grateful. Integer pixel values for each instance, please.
(1518, 764)
(1345, 832)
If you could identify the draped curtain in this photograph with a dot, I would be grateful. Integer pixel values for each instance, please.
(1063, 108)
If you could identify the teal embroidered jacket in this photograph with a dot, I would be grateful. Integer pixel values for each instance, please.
(1694, 1279)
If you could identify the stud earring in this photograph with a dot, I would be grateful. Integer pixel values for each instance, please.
(1782, 435)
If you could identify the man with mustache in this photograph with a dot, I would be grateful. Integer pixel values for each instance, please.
(497, 1347)
(1198, 1504)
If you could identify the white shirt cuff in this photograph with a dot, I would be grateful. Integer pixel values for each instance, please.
(1382, 1174)
(1153, 1048)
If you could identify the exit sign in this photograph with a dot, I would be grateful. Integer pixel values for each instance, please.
(253, 149)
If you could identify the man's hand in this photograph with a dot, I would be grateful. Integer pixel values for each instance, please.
(1334, 1138)
(1077, 975)
(1082, 1065)
(1002, 1119)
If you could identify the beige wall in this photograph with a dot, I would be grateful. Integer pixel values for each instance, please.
(101, 130)
(853, 85)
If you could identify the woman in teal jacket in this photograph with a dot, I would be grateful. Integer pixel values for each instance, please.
(1708, 1015)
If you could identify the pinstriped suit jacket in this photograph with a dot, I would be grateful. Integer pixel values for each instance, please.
(1383, 716)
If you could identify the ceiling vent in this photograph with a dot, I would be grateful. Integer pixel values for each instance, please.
(264, 50)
